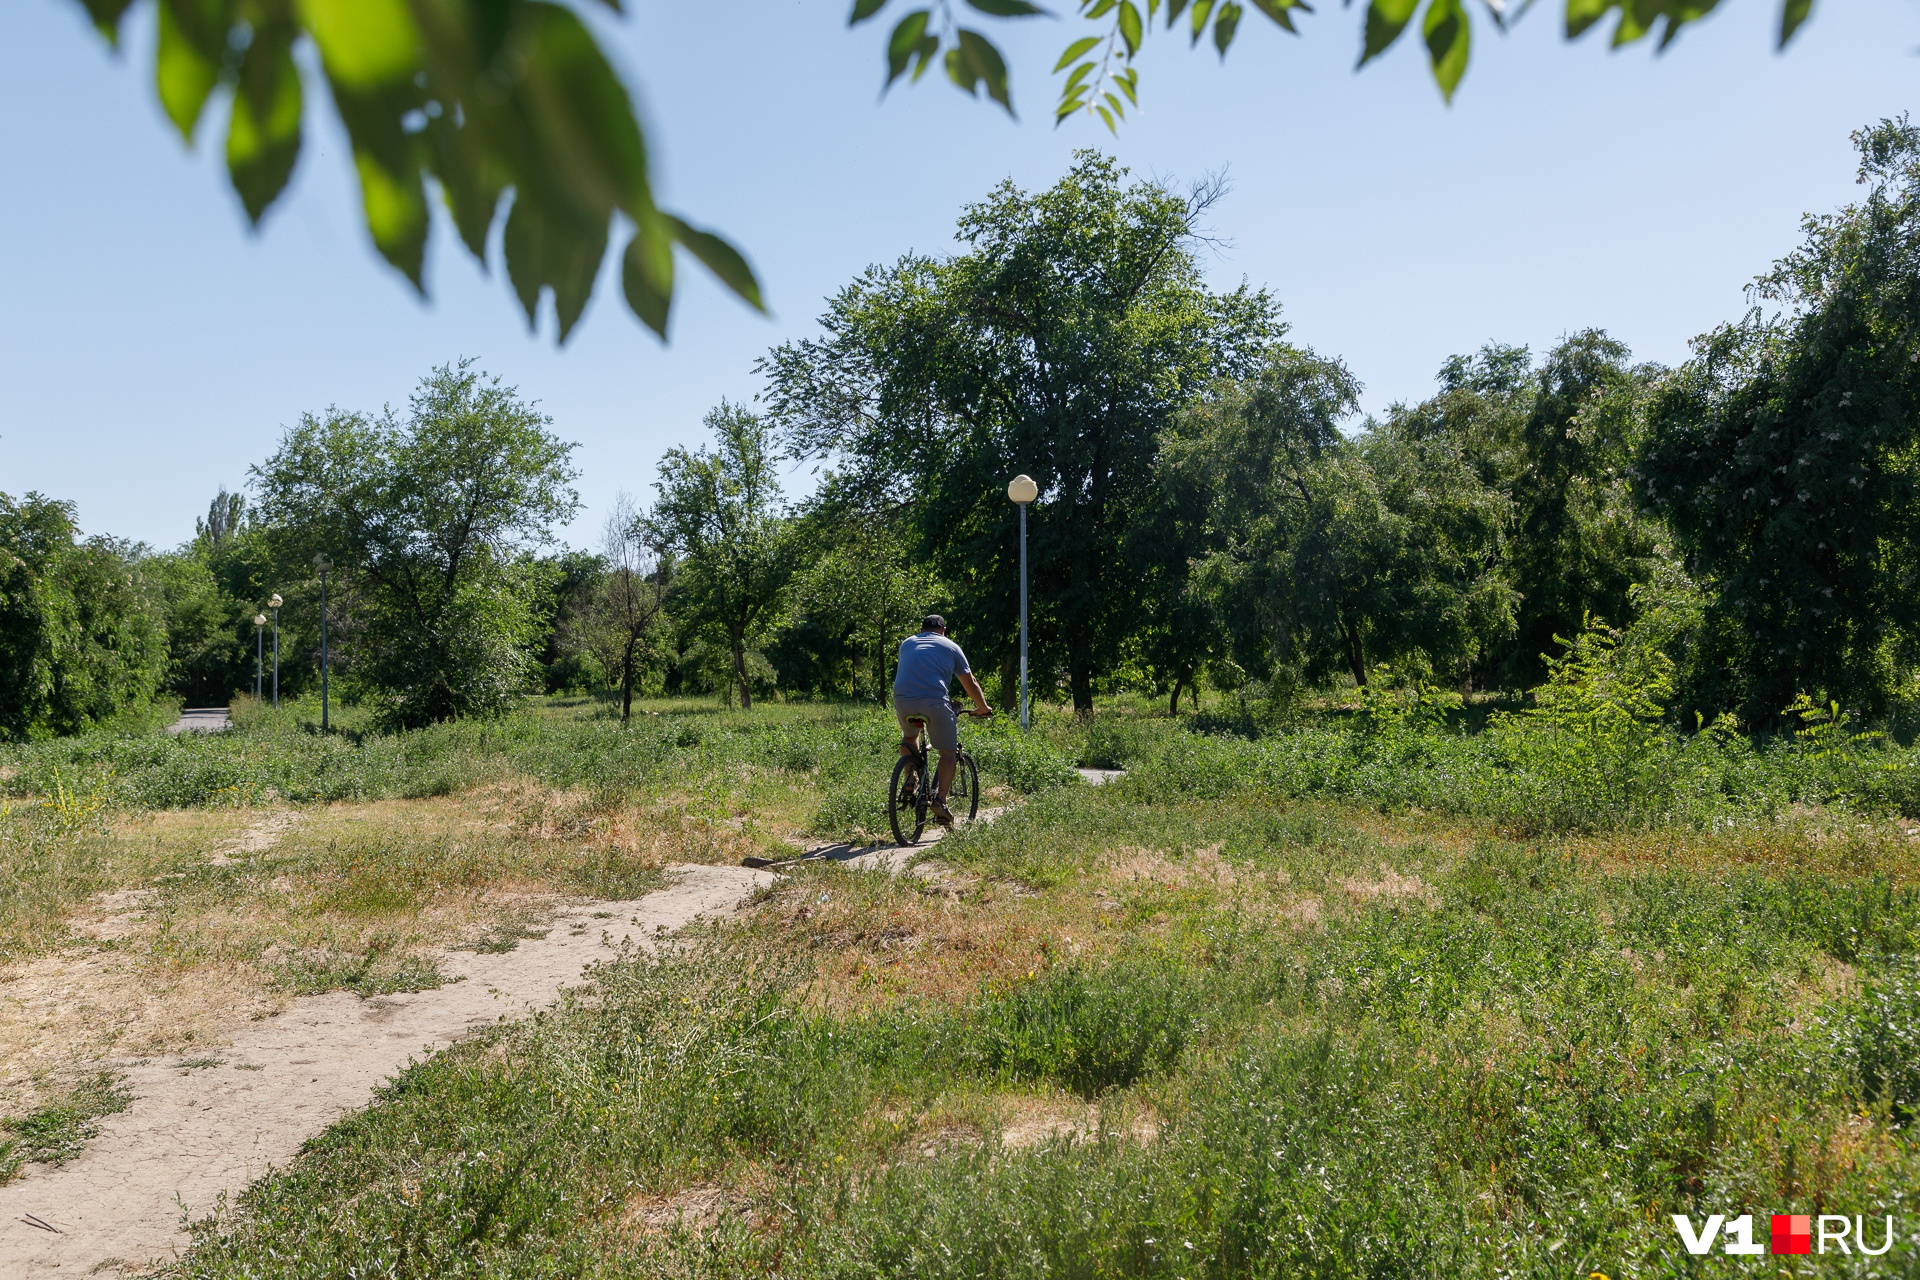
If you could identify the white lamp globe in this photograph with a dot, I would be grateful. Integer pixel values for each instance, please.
(273, 601)
(259, 619)
(1023, 490)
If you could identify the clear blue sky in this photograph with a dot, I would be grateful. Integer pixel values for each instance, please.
(151, 347)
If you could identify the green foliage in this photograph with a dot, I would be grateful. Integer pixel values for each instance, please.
(862, 592)
(1784, 455)
(428, 523)
(55, 1132)
(1593, 734)
(720, 510)
(1324, 553)
(1058, 343)
(617, 613)
(1100, 69)
(82, 632)
(515, 96)
(1086, 1030)
(1888, 1039)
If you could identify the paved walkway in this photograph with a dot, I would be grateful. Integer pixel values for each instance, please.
(201, 720)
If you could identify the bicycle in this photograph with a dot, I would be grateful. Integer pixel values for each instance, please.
(913, 779)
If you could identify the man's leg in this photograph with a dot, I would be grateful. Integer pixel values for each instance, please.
(943, 776)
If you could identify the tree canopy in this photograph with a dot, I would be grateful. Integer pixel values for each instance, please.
(1059, 344)
(1786, 454)
(426, 520)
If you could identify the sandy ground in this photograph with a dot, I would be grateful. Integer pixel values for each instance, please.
(195, 1132)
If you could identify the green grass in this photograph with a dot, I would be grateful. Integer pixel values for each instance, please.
(1359, 996)
(56, 1132)
(1477, 1056)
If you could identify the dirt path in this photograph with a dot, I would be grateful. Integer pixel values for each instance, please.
(210, 1125)
(194, 1132)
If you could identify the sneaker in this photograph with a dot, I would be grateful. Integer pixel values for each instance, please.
(940, 813)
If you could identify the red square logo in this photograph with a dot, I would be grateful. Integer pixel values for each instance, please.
(1793, 1233)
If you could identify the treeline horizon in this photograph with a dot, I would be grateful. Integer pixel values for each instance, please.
(1749, 515)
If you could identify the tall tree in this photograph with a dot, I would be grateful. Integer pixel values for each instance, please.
(1559, 439)
(427, 520)
(1059, 343)
(1328, 553)
(1580, 542)
(861, 583)
(721, 510)
(82, 631)
(621, 609)
(1786, 454)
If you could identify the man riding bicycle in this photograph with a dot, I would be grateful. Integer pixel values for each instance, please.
(928, 663)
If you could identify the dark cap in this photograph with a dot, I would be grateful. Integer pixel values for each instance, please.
(933, 622)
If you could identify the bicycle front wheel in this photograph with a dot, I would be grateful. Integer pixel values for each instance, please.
(906, 801)
(963, 797)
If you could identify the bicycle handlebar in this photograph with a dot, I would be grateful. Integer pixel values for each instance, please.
(960, 705)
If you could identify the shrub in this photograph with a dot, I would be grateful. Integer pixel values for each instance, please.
(1888, 1039)
(1086, 1029)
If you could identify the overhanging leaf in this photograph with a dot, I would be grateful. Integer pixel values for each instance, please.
(182, 75)
(1792, 14)
(1447, 38)
(1075, 50)
(864, 9)
(1008, 8)
(263, 131)
(557, 249)
(721, 258)
(975, 61)
(1225, 25)
(396, 209)
(106, 15)
(1582, 14)
(902, 43)
(1386, 19)
(363, 43)
(648, 284)
(1202, 10)
(583, 152)
(1129, 26)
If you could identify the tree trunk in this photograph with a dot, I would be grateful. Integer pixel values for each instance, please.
(740, 672)
(1080, 676)
(1356, 652)
(1179, 683)
(626, 684)
(1010, 681)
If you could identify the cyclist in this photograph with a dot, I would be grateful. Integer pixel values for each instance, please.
(928, 663)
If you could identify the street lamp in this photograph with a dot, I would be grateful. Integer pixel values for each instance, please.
(1023, 491)
(274, 602)
(320, 566)
(259, 654)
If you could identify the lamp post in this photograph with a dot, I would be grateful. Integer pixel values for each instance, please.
(1023, 491)
(274, 602)
(320, 566)
(259, 654)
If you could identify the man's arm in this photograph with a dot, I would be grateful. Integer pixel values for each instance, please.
(972, 687)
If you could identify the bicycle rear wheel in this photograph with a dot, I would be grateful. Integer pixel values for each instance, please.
(963, 796)
(907, 801)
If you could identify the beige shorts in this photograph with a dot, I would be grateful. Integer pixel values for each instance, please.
(943, 724)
